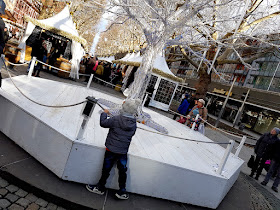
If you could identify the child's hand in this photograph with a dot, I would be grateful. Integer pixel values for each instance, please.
(106, 111)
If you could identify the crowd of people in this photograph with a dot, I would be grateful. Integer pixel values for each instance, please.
(267, 155)
(190, 107)
(102, 70)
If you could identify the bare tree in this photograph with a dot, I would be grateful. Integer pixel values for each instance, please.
(158, 20)
(207, 31)
(225, 29)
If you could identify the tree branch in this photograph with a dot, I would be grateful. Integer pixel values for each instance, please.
(188, 58)
(258, 21)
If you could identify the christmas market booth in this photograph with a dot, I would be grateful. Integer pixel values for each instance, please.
(63, 46)
(163, 82)
(13, 33)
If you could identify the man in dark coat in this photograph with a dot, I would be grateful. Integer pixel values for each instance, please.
(38, 51)
(122, 129)
(2, 41)
(262, 151)
(89, 66)
(274, 167)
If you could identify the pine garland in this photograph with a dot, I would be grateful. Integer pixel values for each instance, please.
(155, 70)
(57, 31)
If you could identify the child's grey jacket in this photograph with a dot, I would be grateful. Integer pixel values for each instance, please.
(122, 128)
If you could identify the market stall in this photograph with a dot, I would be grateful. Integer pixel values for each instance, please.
(62, 39)
(162, 82)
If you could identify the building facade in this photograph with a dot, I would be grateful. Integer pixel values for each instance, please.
(26, 7)
(261, 111)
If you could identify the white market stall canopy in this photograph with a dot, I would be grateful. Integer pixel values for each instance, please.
(61, 24)
(160, 66)
(108, 59)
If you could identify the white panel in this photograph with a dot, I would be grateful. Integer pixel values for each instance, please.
(42, 142)
(148, 177)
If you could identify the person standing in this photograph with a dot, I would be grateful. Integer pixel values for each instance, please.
(99, 72)
(2, 42)
(121, 130)
(183, 109)
(38, 51)
(274, 167)
(107, 72)
(262, 151)
(6, 34)
(89, 66)
(192, 102)
(202, 111)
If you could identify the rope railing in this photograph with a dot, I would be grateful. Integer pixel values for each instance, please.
(237, 135)
(40, 104)
(105, 81)
(87, 75)
(17, 64)
(177, 137)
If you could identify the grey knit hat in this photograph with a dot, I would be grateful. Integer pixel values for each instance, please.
(277, 130)
(131, 105)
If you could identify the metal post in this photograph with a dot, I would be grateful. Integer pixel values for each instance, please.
(196, 118)
(224, 105)
(225, 157)
(82, 128)
(144, 101)
(240, 109)
(209, 101)
(89, 81)
(31, 67)
(273, 76)
(240, 146)
(2, 60)
(87, 112)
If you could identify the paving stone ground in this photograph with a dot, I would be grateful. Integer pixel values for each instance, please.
(14, 198)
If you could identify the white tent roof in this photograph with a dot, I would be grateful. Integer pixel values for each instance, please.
(62, 23)
(127, 56)
(131, 57)
(160, 63)
(108, 59)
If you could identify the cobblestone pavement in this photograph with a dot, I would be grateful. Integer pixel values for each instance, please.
(14, 198)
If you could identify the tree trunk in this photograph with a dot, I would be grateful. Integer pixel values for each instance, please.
(143, 74)
(205, 78)
(203, 83)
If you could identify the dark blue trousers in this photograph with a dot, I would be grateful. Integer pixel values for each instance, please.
(109, 160)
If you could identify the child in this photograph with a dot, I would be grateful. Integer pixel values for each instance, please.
(122, 128)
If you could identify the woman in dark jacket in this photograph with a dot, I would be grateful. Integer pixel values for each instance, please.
(274, 167)
(263, 152)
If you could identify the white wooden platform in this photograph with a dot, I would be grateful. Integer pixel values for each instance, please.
(159, 166)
